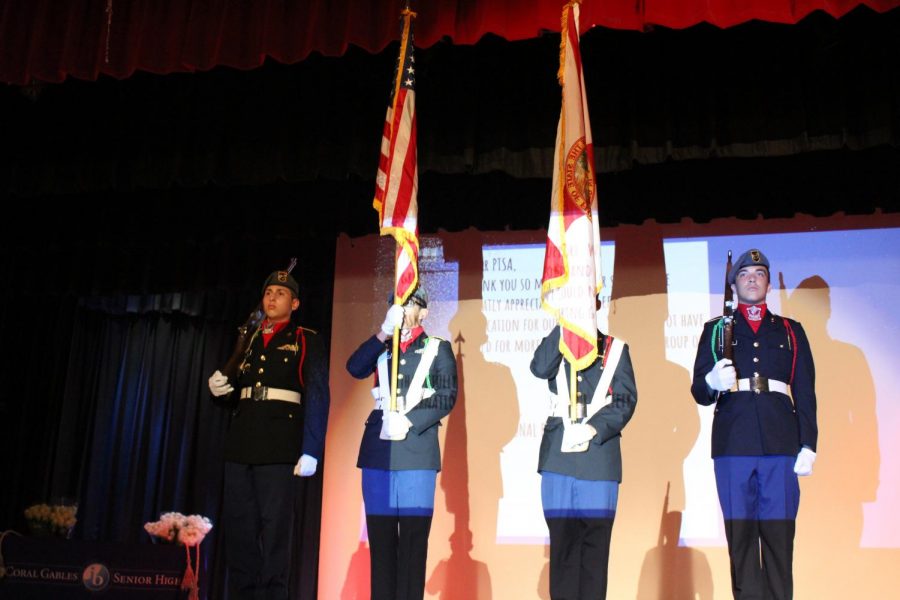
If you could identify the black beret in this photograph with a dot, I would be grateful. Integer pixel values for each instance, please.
(284, 279)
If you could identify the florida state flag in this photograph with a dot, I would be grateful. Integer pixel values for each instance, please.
(572, 278)
(397, 181)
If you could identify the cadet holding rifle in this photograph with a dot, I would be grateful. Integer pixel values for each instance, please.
(280, 402)
(764, 430)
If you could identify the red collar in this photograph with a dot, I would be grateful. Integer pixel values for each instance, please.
(275, 329)
(753, 314)
(413, 335)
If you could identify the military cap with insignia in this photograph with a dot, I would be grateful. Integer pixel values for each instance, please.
(749, 258)
(284, 279)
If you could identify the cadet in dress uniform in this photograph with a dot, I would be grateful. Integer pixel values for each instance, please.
(764, 430)
(277, 431)
(399, 454)
(581, 462)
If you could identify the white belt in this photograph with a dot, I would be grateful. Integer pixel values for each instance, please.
(270, 393)
(561, 409)
(762, 384)
(380, 404)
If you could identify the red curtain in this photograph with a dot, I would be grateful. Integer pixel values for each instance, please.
(49, 40)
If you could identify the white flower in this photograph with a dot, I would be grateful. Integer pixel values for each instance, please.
(188, 530)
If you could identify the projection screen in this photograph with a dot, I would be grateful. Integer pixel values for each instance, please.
(838, 276)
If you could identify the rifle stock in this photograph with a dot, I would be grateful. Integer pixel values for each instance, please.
(245, 334)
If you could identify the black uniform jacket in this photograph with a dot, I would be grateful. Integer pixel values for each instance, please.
(767, 423)
(420, 449)
(603, 458)
(275, 431)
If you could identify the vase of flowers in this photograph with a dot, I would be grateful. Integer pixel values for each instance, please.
(54, 519)
(187, 531)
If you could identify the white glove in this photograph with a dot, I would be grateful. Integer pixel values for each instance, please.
(218, 384)
(805, 460)
(722, 377)
(394, 426)
(306, 466)
(577, 436)
(392, 320)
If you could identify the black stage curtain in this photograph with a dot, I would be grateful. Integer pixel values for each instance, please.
(756, 90)
(107, 399)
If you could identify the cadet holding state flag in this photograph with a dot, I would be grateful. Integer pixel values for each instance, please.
(415, 375)
(589, 374)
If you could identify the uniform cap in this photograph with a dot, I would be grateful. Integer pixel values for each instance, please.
(749, 258)
(420, 297)
(284, 279)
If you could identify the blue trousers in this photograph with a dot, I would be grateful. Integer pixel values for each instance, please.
(759, 496)
(579, 515)
(399, 507)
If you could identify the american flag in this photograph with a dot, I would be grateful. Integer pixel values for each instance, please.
(397, 181)
(572, 278)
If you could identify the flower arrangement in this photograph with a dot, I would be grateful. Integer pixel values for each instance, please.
(178, 528)
(56, 519)
(187, 531)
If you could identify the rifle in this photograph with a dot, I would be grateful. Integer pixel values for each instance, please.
(245, 334)
(728, 316)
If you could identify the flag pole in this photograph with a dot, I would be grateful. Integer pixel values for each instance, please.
(573, 403)
(571, 259)
(407, 15)
(395, 349)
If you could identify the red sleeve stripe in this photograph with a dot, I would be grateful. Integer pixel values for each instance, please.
(302, 340)
(790, 331)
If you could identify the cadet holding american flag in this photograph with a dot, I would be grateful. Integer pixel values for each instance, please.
(415, 375)
(589, 374)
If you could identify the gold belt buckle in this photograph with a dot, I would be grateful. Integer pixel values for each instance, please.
(260, 393)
